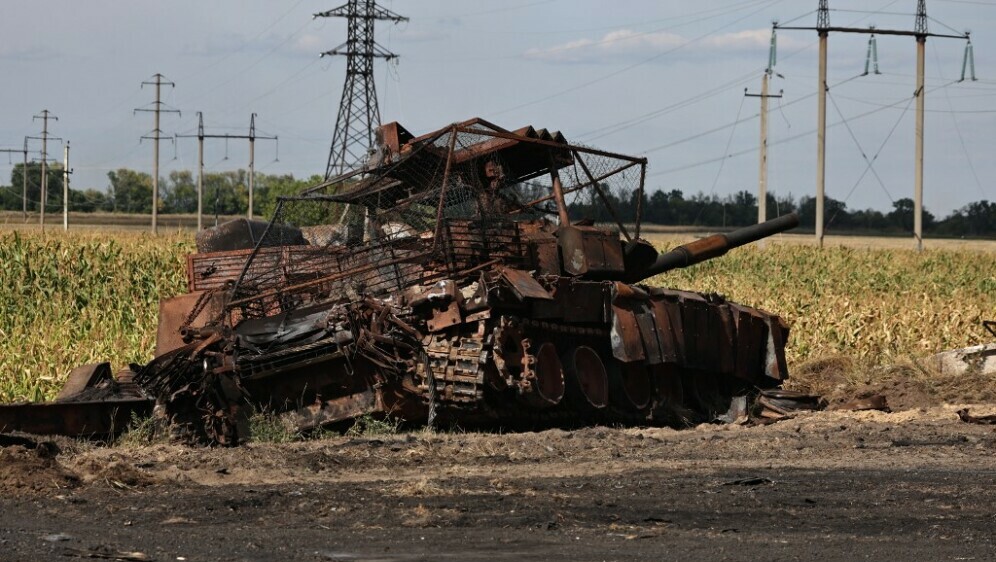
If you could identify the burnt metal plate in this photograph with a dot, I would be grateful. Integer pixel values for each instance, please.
(524, 285)
(334, 410)
(443, 319)
(648, 331)
(627, 343)
(584, 301)
(173, 314)
(75, 419)
(83, 377)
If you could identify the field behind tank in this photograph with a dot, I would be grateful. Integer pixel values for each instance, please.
(859, 315)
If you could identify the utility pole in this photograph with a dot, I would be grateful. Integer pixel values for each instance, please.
(762, 180)
(157, 108)
(200, 172)
(45, 116)
(24, 175)
(252, 137)
(359, 114)
(920, 28)
(919, 32)
(65, 187)
(24, 181)
(252, 160)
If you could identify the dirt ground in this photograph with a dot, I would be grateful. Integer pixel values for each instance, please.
(823, 486)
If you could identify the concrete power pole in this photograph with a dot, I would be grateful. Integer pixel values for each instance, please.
(762, 180)
(252, 161)
(45, 116)
(157, 108)
(24, 181)
(921, 33)
(65, 187)
(920, 29)
(200, 171)
(24, 174)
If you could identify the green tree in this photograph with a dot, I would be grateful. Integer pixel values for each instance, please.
(269, 188)
(10, 197)
(89, 201)
(181, 193)
(131, 191)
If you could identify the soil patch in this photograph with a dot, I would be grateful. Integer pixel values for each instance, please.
(24, 470)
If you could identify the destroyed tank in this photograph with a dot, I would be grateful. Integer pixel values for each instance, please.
(459, 278)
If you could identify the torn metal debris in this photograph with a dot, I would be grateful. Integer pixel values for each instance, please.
(967, 417)
(448, 282)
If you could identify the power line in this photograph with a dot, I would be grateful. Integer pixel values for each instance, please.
(860, 148)
(780, 141)
(242, 47)
(961, 139)
(617, 127)
(252, 137)
(869, 166)
(722, 163)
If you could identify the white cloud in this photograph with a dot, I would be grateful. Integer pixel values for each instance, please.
(310, 44)
(626, 43)
(28, 54)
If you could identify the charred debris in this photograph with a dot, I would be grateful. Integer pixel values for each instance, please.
(445, 283)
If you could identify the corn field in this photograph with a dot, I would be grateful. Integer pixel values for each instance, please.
(67, 300)
(877, 305)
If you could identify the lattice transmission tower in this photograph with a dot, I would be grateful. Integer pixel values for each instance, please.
(359, 115)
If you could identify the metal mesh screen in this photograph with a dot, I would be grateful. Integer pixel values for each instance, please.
(447, 204)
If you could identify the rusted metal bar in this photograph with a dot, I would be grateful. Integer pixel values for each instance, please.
(442, 189)
(604, 198)
(552, 144)
(558, 194)
(255, 250)
(343, 177)
(639, 199)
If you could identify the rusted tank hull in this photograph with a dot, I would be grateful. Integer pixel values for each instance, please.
(499, 348)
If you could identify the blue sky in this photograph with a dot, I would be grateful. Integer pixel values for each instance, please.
(636, 76)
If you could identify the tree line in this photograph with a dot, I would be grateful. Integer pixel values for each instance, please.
(673, 207)
(227, 193)
(129, 191)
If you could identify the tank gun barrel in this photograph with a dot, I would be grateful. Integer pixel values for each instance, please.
(718, 244)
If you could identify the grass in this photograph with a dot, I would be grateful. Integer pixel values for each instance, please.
(77, 298)
(142, 431)
(267, 427)
(368, 425)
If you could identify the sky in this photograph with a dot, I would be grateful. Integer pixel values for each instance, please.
(660, 78)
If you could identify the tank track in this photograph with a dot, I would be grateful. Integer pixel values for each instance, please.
(660, 357)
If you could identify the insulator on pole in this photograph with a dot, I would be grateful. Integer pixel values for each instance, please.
(968, 62)
(871, 59)
(773, 49)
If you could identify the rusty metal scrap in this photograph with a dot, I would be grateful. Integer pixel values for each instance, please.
(448, 282)
(967, 417)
